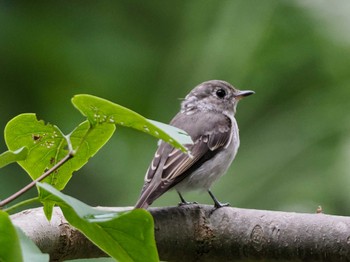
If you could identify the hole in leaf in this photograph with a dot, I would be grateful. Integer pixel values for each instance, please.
(36, 137)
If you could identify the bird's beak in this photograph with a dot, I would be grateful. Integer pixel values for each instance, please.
(243, 93)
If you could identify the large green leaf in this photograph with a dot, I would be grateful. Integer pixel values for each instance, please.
(10, 249)
(125, 236)
(99, 110)
(9, 157)
(15, 245)
(47, 145)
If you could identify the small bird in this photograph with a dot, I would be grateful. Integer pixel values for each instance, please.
(207, 115)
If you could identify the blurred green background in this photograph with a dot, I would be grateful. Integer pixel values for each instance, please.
(295, 131)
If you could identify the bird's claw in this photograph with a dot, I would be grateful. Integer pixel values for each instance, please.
(219, 204)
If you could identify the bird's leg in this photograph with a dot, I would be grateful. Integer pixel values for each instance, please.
(217, 204)
(183, 201)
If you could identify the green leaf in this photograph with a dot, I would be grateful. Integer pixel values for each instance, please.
(30, 251)
(47, 145)
(10, 249)
(15, 245)
(99, 110)
(9, 157)
(125, 236)
(99, 259)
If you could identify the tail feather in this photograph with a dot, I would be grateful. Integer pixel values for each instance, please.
(147, 197)
(142, 203)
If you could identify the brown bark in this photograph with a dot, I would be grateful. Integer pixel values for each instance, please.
(198, 233)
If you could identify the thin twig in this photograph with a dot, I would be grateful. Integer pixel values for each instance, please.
(32, 184)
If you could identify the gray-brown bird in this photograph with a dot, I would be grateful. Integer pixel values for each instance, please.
(207, 115)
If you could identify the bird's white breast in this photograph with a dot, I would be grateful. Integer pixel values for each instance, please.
(214, 168)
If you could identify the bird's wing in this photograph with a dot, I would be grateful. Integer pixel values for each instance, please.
(171, 165)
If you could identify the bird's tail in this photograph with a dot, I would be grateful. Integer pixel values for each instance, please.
(150, 193)
(141, 203)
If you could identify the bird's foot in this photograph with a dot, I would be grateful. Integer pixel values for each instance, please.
(218, 204)
(184, 202)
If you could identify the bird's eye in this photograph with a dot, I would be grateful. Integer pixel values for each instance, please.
(221, 93)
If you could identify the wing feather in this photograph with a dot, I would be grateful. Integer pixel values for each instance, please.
(170, 165)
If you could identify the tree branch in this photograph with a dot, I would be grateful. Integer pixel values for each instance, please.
(197, 233)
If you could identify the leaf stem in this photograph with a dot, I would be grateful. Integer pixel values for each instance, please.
(22, 203)
(32, 184)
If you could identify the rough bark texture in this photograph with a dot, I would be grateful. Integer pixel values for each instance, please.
(198, 233)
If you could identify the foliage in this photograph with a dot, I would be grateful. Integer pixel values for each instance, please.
(98, 110)
(47, 146)
(48, 155)
(15, 246)
(9, 157)
(126, 236)
(10, 247)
